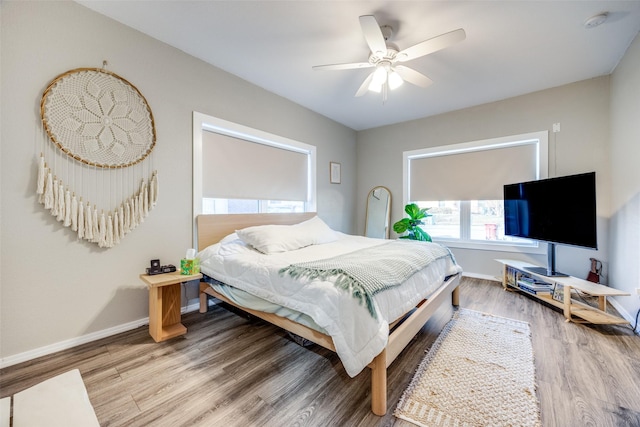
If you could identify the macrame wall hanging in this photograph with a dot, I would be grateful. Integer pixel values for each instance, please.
(97, 176)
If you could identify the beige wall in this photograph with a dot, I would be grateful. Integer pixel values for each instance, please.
(581, 108)
(625, 177)
(55, 289)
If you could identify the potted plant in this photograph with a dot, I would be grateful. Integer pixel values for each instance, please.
(412, 224)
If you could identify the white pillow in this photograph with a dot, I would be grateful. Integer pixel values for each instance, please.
(319, 232)
(212, 250)
(271, 239)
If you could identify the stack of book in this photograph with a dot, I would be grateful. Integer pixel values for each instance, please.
(535, 287)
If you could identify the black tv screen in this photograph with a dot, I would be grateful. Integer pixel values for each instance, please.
(555, 210)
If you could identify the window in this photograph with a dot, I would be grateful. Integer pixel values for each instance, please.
(237, 169)
(229, 206)
(461, 184)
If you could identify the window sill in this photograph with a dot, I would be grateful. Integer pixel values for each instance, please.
(493, 246)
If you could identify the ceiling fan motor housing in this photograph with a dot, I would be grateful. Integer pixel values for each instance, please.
(390, 56)
(387, 31)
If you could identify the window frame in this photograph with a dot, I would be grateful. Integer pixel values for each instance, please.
(540, 138)
(203, 122)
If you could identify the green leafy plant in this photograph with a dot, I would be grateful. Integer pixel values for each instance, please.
(412, 224)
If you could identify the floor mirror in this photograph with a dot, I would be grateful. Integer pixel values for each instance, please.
(378, 213)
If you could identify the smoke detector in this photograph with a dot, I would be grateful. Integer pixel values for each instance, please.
(596, 20)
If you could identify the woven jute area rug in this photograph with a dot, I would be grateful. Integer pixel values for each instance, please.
(479, 372)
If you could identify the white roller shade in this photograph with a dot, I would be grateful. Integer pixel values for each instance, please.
(234, 168)
(471, 175)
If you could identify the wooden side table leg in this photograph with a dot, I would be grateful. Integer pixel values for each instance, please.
(155, 313)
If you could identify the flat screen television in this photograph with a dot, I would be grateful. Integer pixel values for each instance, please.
(558, 210)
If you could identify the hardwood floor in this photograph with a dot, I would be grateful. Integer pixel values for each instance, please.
(233, 371)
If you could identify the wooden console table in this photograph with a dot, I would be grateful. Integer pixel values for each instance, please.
(574, 311)
(164, 304)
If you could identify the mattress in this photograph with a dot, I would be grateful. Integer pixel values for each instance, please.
(357, 335)
(247, 300)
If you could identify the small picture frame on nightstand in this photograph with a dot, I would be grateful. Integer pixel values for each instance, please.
(558, 292)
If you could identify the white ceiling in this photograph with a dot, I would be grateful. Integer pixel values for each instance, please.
(512, 47)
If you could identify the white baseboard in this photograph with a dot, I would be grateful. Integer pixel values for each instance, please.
(624, 313)
(73, 342)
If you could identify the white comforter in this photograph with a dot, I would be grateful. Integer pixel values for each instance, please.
(357, 336)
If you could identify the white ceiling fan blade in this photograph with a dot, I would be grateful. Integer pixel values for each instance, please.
(373, 35)
(343, 66)
(412, 76)
(364, 87)
(432, 45)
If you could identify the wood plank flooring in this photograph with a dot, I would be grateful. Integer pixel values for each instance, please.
(230, 370)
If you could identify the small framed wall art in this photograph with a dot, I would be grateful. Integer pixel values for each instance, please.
(334, 173)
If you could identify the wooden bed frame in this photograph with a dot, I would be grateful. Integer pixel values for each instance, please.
(212, 228)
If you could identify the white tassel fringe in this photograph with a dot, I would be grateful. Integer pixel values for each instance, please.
(61, 206)
(67, 208)
(48, 192)
(116, 229)
(108, 243)
(80, 219)
(74, 213)
(54, 204)
(88, 226)
(41, 176)
(107, 231)
(96, 225)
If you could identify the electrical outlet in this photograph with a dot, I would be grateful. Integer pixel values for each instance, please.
(638, 291)
(556, 127)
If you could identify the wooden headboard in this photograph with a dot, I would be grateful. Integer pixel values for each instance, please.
(212, 228)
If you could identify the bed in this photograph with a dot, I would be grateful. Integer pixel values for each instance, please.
(217, 234)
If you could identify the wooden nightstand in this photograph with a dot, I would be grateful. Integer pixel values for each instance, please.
(164, 304)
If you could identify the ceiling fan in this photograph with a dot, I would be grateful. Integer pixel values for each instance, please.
(386, 58)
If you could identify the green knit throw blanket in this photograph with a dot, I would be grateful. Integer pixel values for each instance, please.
(365, 272)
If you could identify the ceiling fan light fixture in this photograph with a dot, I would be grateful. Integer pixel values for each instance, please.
(375, 88)
(395, 81)
(379, 76)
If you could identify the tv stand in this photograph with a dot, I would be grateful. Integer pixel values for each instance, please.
(573, 310)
